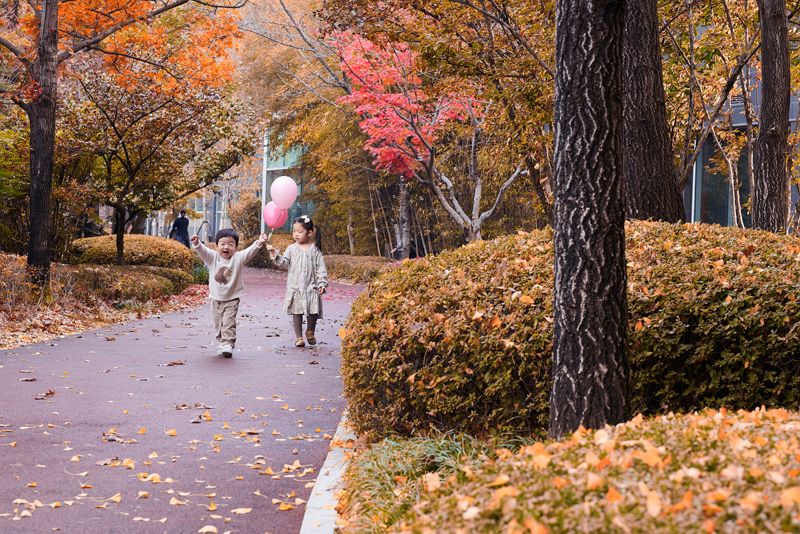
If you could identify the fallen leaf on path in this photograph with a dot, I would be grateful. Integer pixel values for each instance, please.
(241, 511)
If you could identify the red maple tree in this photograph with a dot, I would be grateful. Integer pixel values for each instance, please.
(405, 121)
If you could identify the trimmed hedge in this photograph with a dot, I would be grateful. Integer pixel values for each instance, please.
(139, 250)
(139, 283)
(357, 269)
(463, 341)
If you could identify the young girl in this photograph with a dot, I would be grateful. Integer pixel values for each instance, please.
(307, 277)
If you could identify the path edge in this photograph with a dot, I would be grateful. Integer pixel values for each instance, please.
(321, 516)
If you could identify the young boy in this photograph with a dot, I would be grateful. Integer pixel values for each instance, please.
(225, 285)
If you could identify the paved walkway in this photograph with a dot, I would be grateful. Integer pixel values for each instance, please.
(116, 414)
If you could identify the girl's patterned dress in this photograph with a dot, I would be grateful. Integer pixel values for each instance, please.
(307, 273)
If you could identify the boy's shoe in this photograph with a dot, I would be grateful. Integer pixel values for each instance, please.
(310, 337)
(220, 348)
(227, 351)
(300, 342)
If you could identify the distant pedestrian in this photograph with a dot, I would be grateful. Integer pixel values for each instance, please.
(180, 229)
(307, 279)
(225, 285)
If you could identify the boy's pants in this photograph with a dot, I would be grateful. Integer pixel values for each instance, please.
(224, 314)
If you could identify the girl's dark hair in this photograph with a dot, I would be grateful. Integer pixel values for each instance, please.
(227, 232)
(308, 224)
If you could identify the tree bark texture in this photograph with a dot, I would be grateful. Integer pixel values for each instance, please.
(590, 366)
(42, 116)
(771, 193)
(351, 237)
(651, 186)
(119, 231)
(404, 208)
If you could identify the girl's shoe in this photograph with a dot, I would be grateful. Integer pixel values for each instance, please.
(299, 342)
(310, 337)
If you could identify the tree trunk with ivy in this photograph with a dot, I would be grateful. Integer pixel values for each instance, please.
(590, 366)
(651, 187)
(771, 194)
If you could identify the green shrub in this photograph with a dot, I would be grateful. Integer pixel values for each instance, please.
(463, 341)
(357, 269)
(706, 472)
(139, 250)
(200, 273)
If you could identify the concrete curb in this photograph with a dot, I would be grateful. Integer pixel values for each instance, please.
(321, 515)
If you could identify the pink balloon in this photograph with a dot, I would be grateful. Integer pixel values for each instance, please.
(283, 191)
(274, 216)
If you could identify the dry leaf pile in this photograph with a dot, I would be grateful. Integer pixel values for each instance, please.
(715, 471)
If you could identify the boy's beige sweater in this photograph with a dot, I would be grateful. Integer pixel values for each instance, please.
(233, 288)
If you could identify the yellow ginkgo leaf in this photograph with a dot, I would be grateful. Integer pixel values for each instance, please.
(241, 511)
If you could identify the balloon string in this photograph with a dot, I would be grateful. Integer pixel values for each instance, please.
(270, 235)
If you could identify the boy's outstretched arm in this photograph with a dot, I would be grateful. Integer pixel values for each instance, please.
(252, 250)
(205, 253)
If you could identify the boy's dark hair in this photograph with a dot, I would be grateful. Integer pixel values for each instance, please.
(308, 224)
(227, 232)
(183, 212)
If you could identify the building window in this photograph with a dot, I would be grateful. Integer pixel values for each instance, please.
(711, 191)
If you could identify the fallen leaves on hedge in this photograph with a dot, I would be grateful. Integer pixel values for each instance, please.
(74, 306)
(715, 470)
(357, 269)
(463, 341)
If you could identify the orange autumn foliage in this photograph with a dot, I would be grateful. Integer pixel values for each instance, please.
(188, 45)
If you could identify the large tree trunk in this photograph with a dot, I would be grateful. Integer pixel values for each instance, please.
(651, 187)
(771, 194)
(119, 231)
(42, 116)
(590, 366)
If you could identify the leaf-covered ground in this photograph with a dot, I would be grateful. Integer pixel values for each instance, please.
(715, 471)
(71, 307)
(141, 427)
